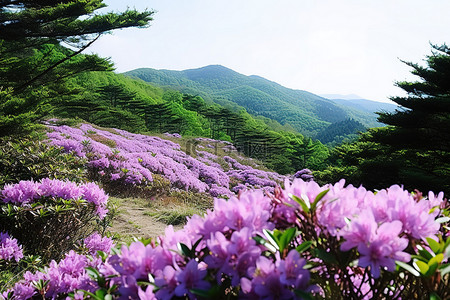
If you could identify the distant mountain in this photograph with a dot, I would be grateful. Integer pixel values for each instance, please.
(338, 96)
(367, 105)
(306, 112)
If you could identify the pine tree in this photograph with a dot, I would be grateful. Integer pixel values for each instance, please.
(41, 45)
(423, 122)
(414, 149)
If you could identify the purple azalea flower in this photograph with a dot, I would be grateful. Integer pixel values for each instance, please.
(266, 281)
(9, 248)
(96, 242)
(191, 277)
(292, 272)
(147, 294)
(384, 248)
(166, 281)
(361, 231)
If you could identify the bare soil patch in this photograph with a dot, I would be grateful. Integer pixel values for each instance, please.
(132, 221)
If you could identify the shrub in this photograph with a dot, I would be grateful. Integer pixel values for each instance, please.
(9, 248)
(26, 158)
(332, 241)
(48, 216)
(121, 158)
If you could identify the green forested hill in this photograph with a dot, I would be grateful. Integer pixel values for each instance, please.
(304, 111)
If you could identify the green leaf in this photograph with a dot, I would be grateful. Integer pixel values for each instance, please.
(302, 203)
(92, 295)
(271, 238)
(437, 259)
(418, 257)
(100, 293)
(432, 268)
(318, 198)
(93, 273)
(184, 250)
(433, 245)
(286, 238)
(265, 243)
(445, 269)
(196, 244)
(421, 266)
(103, 255)
(442, 220)
(434, 296)
(304, 246)
(424, 253)
(408, 268)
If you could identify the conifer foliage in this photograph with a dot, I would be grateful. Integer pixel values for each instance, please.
(421, 128)
(414, 149)
(40, 47)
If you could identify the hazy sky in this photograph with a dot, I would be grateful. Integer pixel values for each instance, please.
(321, 46)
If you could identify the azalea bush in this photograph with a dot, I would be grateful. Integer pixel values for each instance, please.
(10, 249)
(301, 242)
(26, 157)
(120, 158)
(48, 216)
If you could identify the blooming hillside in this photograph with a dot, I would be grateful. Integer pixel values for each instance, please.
(118, 155)
(300, 241)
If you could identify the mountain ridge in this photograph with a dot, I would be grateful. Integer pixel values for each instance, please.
(306, 112)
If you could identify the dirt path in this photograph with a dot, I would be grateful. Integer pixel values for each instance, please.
(133, 222)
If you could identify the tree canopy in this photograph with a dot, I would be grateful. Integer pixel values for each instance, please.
(41, 45)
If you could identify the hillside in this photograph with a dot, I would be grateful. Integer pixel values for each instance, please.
(304, 111)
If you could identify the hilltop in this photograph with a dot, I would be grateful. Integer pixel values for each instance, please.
(306, 112)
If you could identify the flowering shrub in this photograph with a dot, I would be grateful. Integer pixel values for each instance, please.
(27, 192)
(49, 215)
(363, 242)
(95, 242)
(121, 157)
(304, 174)
(9, 248)
(57, 279)
(331, 241)
(174, 135)
(26, 157)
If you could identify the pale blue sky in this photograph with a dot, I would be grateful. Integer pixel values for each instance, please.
(321, 46)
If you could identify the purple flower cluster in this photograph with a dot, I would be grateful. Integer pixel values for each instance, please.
(95, 242)
(133, 158)
(226, 249)
(66, 276)
(270, 279)
(9, 248)
(252, 178)
(222, 251)
(174, 135)
(26, 192)
(379, 225)
(304, 174)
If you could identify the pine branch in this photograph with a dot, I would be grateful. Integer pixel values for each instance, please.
(29, 82)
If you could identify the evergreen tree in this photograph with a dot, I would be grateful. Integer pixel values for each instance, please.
(157, 116)
(116, 94)
(40, 47)
(420, 129)
(414, 150)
